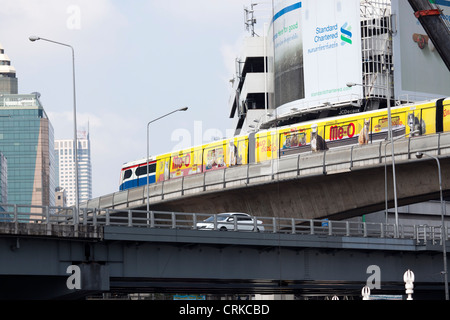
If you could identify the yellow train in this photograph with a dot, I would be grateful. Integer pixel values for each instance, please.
(314, 136)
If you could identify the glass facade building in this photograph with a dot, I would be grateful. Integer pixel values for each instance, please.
(27, 142)
(3, 180)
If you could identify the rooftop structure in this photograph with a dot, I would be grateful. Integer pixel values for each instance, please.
(307, 56)
(8, 80)
(249, 103)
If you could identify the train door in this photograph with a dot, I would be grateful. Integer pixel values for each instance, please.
(423, 122)
(443, 111)
(163, 168)
(251, 148)
(237, 151)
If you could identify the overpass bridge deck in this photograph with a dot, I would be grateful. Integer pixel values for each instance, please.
(90, 223)
(128, 251)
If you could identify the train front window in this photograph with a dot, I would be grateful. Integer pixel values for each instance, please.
(127, 174)
(140, 171)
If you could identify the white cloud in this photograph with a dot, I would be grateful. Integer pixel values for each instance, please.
(122, 76)
(202, 12)
(52, 19)
(231, 51)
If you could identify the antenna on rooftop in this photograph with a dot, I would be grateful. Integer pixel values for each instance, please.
(249, 19)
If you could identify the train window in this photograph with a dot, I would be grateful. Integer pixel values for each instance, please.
(127, 174)
(140, 171)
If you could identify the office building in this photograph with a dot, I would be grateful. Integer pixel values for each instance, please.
(3, 180)
(26, 139)
(64, 154)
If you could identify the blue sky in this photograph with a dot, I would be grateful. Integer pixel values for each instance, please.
(135, 61)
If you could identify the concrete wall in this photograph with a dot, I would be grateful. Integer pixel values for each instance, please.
(339, 183)
(342, 195)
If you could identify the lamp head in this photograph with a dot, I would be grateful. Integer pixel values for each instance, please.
(183, 109)
(419, 155)
(351, 84)
(34, 38)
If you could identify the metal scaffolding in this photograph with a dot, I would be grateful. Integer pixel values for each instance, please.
(377, 55)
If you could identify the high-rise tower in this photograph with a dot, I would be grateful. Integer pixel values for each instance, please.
(26, 141)
(65, 158)
(8, 80)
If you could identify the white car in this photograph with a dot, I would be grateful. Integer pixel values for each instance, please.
(231, 221)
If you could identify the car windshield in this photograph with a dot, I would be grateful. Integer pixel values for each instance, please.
(219, 218)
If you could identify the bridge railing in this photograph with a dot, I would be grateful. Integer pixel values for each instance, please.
(335, 160)
(17, 213)
(189, 221)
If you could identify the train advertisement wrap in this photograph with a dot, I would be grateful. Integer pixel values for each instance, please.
(314, 136)
(186, 162)
(163, 168)
(298, 139)
(237, 151)
(446, 115)
(266, 146)
(215, 156)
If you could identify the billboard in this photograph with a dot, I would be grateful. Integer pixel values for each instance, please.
(288, 45)
(420, 73)
(317, 51)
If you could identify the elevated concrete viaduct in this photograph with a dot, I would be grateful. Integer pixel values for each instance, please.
(336, 196)
(335, 184)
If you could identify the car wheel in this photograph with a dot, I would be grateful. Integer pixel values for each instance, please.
(223, 229)
(257, 229)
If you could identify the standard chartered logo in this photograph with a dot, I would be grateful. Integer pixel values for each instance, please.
(346, 34)
(327, 37)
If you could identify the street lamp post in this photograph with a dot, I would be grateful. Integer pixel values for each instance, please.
(75, 142)
(391, 138)
(419, 155)
(385, 170)
(148, 157)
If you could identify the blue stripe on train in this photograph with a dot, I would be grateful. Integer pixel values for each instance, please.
(137, 182)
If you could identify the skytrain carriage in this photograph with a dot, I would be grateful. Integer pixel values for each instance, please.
(216, 155)
(354, 129)
(134, 174)
(313, 136)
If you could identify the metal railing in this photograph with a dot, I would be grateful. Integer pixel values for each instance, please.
(189, 221)
(16, 213)
(339, 159)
